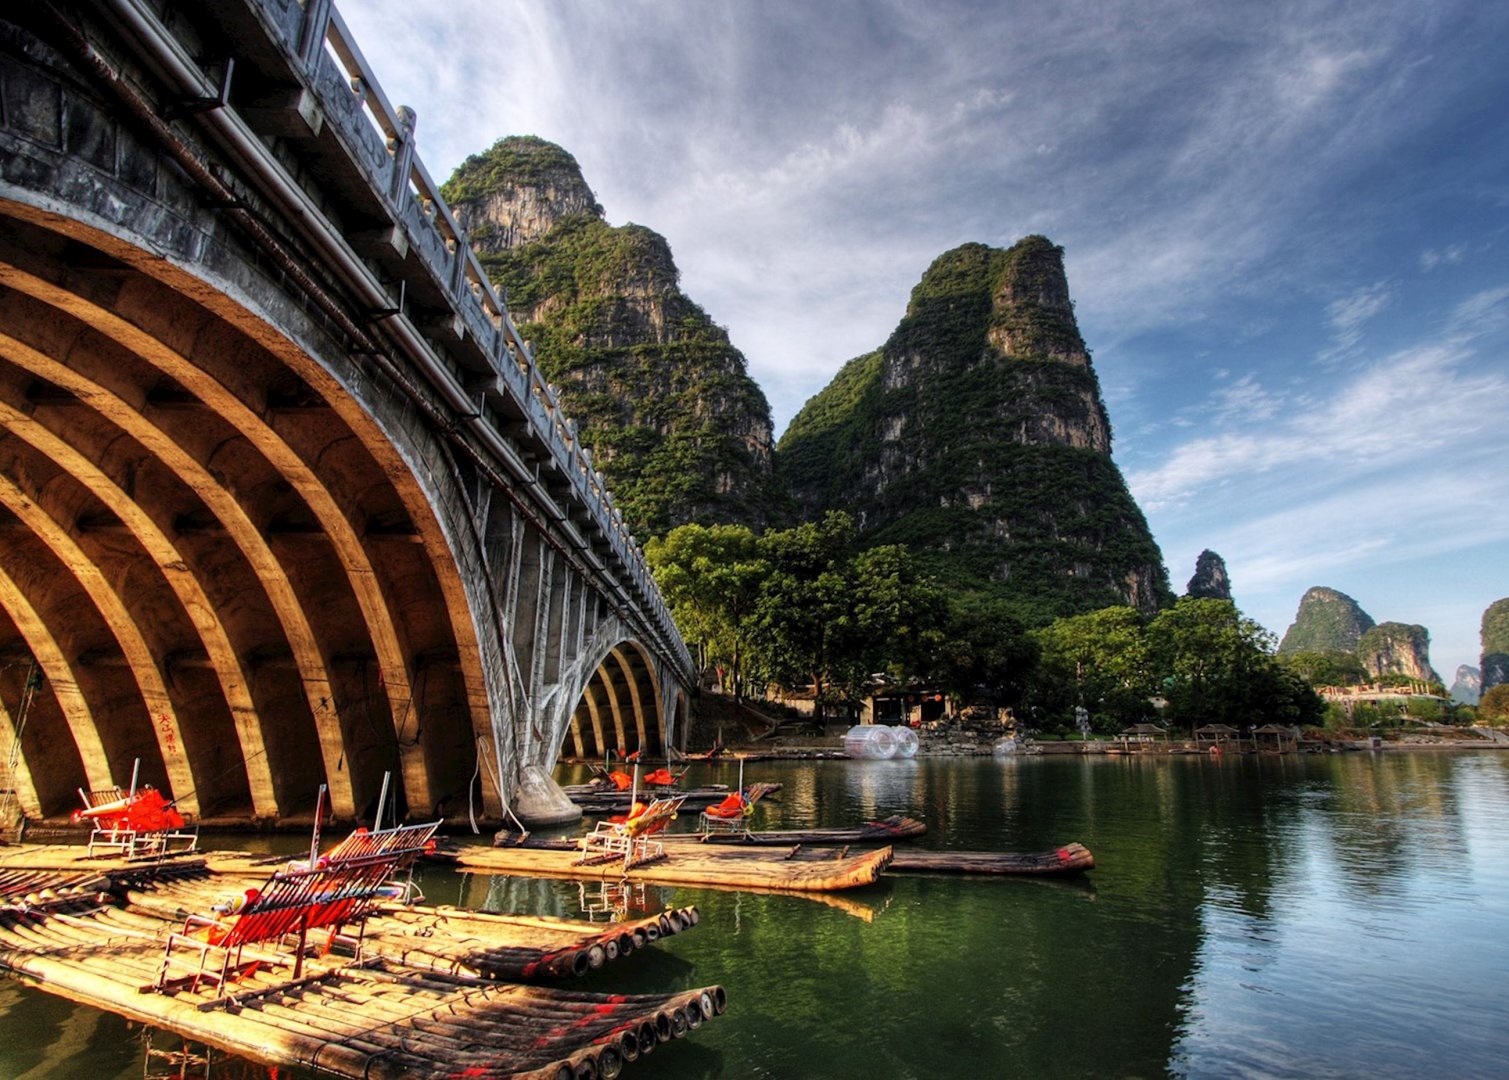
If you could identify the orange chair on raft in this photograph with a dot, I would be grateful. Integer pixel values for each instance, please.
(622, 781)
(631, 836)
(733, 813)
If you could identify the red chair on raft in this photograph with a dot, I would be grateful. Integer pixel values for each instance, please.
(269, 925)
(138, 823)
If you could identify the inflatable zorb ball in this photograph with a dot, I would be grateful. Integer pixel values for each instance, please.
(906, 742)
(872, 742)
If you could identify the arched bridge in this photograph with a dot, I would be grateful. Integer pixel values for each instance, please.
(284, 500)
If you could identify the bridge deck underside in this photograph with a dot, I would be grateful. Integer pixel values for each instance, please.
(204, 566)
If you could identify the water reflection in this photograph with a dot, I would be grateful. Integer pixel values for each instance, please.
(1253, 916)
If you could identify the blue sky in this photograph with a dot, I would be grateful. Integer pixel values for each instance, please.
(1286, 228)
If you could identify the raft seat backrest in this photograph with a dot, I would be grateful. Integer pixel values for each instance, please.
(402, 844)
(656, 817)
(102, 797)
(345, 885)
(632, 838)
(343, 888)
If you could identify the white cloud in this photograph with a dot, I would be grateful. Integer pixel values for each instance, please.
(1409, 406)
(1431, 258)
(1348, 315)
(1481, 314)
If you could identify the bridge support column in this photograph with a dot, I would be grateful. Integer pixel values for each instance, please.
(539, 800)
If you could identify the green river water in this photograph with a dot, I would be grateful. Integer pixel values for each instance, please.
(1337, 915)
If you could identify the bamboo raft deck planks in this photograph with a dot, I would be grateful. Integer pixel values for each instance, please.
(798, 869)
(454, 940)
(378, 1019)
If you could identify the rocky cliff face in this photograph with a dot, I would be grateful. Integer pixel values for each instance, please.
(1210, 581)
(1495, 639)
(1467, 687)
(977, 435)
(514, 193)
(1326, 620)
(1393, 648)
(663, 400)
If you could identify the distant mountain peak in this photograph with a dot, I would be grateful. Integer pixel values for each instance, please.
(977, 435)
(1210, 581)
(1467, 687)
(1327, 620)
(515, 191)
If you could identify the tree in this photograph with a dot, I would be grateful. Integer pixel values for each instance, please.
(831, 615)
(1101, 661)
(1218, 666)
(983, 654)
(711, 577)
(898, 614)
(800, 622)
(1493, 706)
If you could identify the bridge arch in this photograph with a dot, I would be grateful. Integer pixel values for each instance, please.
(623, 707)
(287, 513)
(239, 448)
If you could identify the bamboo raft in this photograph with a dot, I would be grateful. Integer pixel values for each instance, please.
(381, 1016)
(895, 827)
(1069, 859)
(519, 948)
(796, 869)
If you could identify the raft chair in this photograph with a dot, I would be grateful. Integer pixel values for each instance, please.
(733, 813)
(631, 837)
(138, 823)
(340, 889)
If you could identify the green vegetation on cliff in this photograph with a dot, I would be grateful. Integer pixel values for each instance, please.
(1400, 649)
(1495, 639)
(1326, 621)
(661, 397)
(977, 436)
(516, 161)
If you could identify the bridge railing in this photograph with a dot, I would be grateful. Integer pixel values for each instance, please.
(491, 360)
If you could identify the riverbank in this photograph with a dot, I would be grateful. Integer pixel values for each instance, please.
(963, 742)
